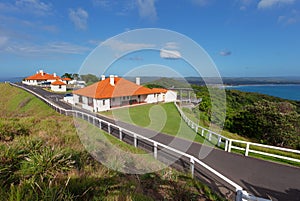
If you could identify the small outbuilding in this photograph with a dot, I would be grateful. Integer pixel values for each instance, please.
(58, 86)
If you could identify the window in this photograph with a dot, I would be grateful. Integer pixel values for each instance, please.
(113, 99)
(59, 86)
(103, 102)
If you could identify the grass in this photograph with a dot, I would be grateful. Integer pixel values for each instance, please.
(50, 163)
(194, 117)
(162, 117)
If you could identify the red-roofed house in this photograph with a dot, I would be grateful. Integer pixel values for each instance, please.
(115, 92)
(58, 86)
(40, 78)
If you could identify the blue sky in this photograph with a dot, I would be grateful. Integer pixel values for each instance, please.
(243, 37)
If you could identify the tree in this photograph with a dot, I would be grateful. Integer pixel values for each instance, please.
(67, 75)
(275, 123)
(76, 76)
(89, 78)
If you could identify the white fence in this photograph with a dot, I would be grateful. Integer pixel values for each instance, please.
(230, 144)
(194, 163)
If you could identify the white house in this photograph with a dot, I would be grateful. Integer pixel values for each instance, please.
(41, 78)
(58, 86)
(115, 92)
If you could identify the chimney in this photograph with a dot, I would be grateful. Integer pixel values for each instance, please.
(102, 77)
(37, 72)
(42, 72)
(112, 80)
(54, 74)
(138, 80)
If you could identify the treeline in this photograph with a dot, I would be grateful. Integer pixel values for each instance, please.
(263, 118)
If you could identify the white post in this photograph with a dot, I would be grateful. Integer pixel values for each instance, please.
(247, 149)
(226, 145)
(155, 150)
(229, 145)
(219, 140)
(209, 136)
(192, 163)
(100, 124)
(202, 132)
(196, 129)
(120, 134)
(135, 140)
(108, 128)
(94, 121)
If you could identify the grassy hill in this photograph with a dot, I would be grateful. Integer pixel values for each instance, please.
(169, 83)
(42, 158)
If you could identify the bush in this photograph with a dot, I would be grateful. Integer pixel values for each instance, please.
(11, 128)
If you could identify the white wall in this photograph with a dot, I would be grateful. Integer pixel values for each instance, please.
(101, 105)
(30, 82)
(151, 99)
(171, 96)
(59, 88)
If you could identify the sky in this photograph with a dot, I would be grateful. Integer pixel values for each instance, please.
(244, 38)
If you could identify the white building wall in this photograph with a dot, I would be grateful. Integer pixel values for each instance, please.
(59, 88)
(76, 98)
(151, 98)
(170, 96)
(101, 105)
(30, 82)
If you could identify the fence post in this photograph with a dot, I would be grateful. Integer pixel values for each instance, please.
(226, 145)
(209, 136)
(196, 129)
(120, 134)
(229, 145)
(108, 128)
(100, 124)
(192, 163)
(219, 141)
(247, 149)
(155, 150)
(135, 140)
(202, 132)
(94, 121)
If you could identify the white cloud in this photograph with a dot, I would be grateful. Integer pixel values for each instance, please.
(147, 9)
(225, 53)
(292, 18)
(123, 46)
(171, 45)
(263, 4)
(170, 54)
(79, 17)
(34, 6)
(49, 48)
(3, 40)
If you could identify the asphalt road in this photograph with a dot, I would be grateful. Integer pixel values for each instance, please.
(258, 177)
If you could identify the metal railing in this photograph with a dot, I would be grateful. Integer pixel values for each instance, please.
(195, 165)
(230, 144)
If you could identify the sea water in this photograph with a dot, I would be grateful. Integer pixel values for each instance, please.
(288, 91)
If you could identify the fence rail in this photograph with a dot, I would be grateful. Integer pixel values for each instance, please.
(230, 144)
(193, 162)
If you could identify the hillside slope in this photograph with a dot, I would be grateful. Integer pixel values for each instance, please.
(41, 158)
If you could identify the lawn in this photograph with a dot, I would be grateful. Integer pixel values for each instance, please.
(162, 117)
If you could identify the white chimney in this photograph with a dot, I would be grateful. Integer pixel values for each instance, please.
(112, 80)
(42, 72)
(138, 80)
(102, 77)
(37, 72)
(54, 74)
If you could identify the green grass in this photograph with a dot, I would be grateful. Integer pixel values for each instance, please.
(162, 117)
(50, 163)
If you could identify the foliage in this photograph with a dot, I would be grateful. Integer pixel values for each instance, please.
(89, 79)
(11, 128)
(153, 85)
(73, 76)
(275, 123)
(263, 118)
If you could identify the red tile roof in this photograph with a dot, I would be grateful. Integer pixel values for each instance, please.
(159, 90)
(42, 76)
(66, 79)
(103, 89)
(58, 82)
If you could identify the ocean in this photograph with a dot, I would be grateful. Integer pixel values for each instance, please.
(11, 79)
(291, 92)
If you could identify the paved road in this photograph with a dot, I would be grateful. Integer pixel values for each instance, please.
(258, 177)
